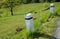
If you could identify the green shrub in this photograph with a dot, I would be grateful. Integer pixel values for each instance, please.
(42, 1)
(53, 0)
(26, 1)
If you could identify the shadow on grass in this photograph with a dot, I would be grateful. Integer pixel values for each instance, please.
(37, 35)
(56, 14)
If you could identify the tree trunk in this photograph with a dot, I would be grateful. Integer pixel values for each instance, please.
(12, 11)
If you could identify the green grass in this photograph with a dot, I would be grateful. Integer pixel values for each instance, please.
(9, 23)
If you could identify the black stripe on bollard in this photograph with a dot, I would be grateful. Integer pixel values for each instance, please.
(28, 18)
(52, 6)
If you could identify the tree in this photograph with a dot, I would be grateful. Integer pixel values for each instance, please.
(11, 4)
(35, 1)
(1, 3)
(57, 0)
(42, 1)
(26, 1)
(51, 0)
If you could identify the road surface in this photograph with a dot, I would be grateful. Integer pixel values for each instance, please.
(57, 33)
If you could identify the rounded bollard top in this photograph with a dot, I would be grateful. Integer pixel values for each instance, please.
(29, 15)
(52, 4)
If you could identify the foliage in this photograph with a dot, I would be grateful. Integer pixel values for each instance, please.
(26, 1)
(11, 4)
(51, 0)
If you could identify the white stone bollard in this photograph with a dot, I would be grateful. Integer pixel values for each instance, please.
(52, 8)
(29, 22)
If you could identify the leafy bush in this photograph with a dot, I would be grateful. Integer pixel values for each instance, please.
(26, 1)
(42, 1)
(53, 0)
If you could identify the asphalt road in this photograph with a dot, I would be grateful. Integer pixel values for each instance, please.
(57, 33)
